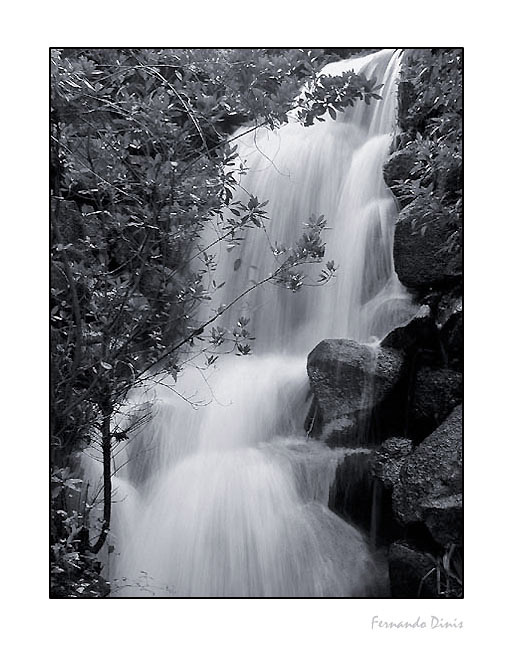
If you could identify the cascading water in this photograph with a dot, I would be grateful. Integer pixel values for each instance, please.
(230, 499)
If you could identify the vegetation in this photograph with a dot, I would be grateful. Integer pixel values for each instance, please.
(430, 114)
(447, 572)
(141, 160)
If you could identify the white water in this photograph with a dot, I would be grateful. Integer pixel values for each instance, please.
(230, 499)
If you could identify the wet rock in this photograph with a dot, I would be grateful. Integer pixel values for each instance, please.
(387, 460)
(419, 331)
(351, 490)
(443, 517)
(360, 498)
(347, 376)
(450, 323)
(429, 476)
(420, 246)
(412, 572)
(452, 340)
(343, 431)
(436, 391)
(348, 380)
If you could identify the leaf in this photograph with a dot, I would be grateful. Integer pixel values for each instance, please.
(332, 113)
(105, 365)
(236, 264)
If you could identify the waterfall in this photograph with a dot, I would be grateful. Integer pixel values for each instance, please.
(230, 498)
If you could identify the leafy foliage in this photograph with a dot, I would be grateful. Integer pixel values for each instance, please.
(430, 113)
(333, 94)
(141, 161)
(75, 570)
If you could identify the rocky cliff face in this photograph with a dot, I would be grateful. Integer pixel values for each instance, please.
(406, 493)
(425, 174)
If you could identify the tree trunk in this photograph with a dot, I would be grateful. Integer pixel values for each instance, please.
(106, 408)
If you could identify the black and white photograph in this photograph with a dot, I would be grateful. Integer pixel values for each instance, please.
(256, 340)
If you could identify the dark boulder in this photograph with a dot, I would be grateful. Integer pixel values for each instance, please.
(436, 391)
(351, 492)
(360, 498)
(443, 517)
(412, 572)
(452, 341)
(420, 246)
(387, 460)
(349, 380)
(347, 376)
(450, 322)
(428, 477)
(419, 331)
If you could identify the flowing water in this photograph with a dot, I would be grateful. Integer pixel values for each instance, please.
(230, 499)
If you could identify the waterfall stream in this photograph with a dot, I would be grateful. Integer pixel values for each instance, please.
(231, 498)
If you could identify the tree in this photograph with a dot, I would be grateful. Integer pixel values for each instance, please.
(141, 160)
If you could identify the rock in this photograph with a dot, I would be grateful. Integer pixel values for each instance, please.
(444, 519)
(419, 331)
(349, 379)
(428, 476)
(343, 431)
(452, 341)
(450, 305)
(351, 492)
(420, 246)
(412, 572)
(406, 95)
(398, 167)
(343, 372)
(387, 460)
(359, 497)
(435, 393)
(450, 322)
